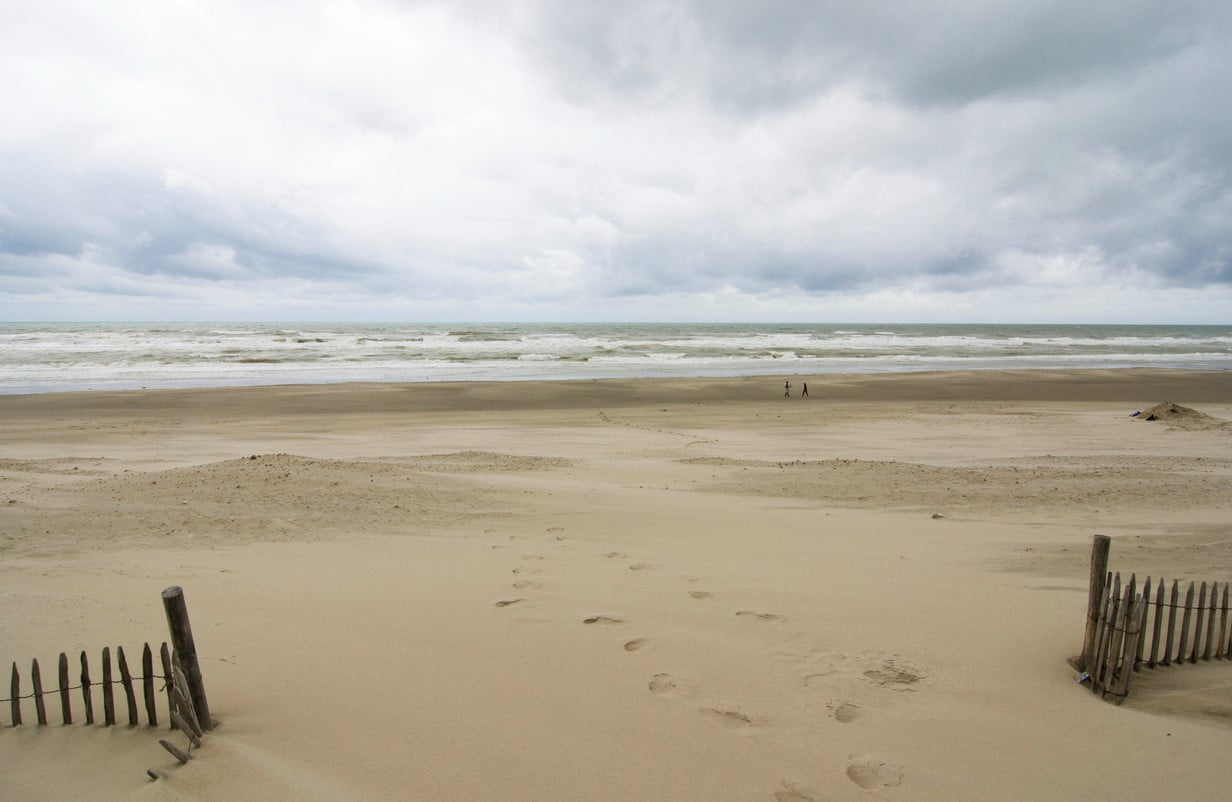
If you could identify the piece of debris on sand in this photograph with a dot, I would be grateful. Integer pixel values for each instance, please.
(1178, 416)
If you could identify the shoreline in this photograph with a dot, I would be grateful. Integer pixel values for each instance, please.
(1089, 384)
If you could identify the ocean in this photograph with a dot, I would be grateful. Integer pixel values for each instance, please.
(37, 357)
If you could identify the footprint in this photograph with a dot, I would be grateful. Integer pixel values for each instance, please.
(507, 602)
(615, 555)
(701, 594)
(761, 616)
(527, 584)
(603, 619)
(526, 569)
(845, 712)
(532, 556)
(894, 674)
(873, 774)
(663, 684)
(555, 529)
(731, 716)
(791, 792)
(635, 644)
(639, 566)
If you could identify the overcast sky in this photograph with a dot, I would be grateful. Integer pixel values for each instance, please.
(1021, 161)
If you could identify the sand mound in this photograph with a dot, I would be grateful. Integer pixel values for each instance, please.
(1181, 417)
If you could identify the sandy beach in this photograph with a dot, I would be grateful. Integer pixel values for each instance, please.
(620, 590)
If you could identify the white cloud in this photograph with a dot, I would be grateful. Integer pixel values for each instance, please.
(553, 160)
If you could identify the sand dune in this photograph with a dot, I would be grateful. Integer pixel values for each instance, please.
(667, 590)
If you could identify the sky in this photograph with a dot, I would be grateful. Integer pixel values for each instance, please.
(1043, 161)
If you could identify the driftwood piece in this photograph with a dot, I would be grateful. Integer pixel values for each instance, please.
(194, 737)
(183, 702)
(66, 706)
(178, 753)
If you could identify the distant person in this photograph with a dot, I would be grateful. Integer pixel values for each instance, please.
(786, 389)
(804, 394)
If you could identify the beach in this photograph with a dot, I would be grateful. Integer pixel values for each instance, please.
(625, 589)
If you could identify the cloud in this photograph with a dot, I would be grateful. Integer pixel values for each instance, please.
(673, 160)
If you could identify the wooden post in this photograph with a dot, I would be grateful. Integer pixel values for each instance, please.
(1159, 621)
(1116, 650)
(1133, 636)
(15, 696)
(126, 679)
(1197, 643)
(1104, 635)
(1141, 642)
(1224, 640)
(108, 690)
(165, 658)
(1095, 589)
(66, 707)
(1189, 596)
(85, 689)
(147, 686)
(182, 643)
(1210, 623)
(1173, 604)
(40, 707)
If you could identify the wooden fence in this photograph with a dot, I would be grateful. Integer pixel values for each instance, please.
(187, 708)
(1121, 621)
(88, 685)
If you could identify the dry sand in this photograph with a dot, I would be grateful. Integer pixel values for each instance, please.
(627, 590)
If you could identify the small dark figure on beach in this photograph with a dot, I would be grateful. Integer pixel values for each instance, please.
(786, 389)
(805, 393)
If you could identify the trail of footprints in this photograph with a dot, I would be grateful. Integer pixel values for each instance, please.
(886, 672)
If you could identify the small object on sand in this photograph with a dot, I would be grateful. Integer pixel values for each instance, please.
(1135, 413)
(155, 774)
(177, 753)
(1083, 677)
(937, 515)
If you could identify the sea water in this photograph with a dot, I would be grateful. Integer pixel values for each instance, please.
(36, 357)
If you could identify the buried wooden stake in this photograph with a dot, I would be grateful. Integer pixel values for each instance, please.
(40, 708)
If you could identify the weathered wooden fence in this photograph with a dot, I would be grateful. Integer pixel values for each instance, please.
(106, 686)
(1122, 620)
(187, 707)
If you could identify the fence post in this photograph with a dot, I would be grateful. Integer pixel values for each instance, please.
(15, 696)
(1099, 568)
(182, 642)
